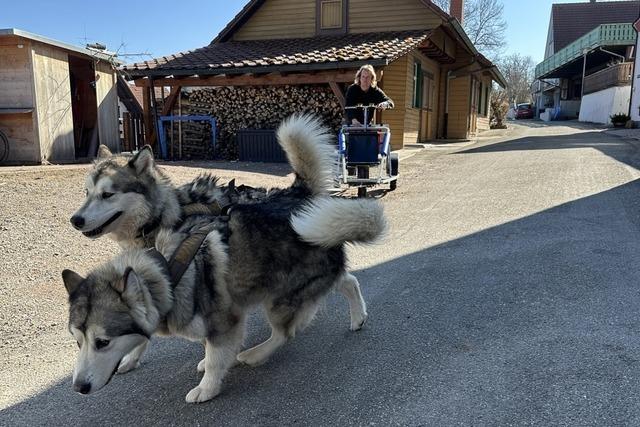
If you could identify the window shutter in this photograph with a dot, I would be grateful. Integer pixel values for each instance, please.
(417, 85)
(330, 14)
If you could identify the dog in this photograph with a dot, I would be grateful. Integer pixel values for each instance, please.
(285, 252)
(130, 198)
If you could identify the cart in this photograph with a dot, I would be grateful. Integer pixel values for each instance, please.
(364, 156)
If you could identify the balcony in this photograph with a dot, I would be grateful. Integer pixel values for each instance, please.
(617, 75)
(605, 35)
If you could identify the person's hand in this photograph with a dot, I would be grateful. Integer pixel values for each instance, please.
(355, 122)
(383, 105)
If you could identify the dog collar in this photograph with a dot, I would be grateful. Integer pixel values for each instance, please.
(149, 227)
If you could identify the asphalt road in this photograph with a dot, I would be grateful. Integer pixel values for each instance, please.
(506, 294)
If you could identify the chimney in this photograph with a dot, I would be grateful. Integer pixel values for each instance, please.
(456, 9)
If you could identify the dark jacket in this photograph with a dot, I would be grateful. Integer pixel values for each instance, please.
(355, 95)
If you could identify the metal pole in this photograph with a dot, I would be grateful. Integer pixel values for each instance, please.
(584, 69)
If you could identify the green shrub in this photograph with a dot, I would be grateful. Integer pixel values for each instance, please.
(619, 118)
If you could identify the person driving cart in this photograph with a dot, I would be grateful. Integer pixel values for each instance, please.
(365, 91)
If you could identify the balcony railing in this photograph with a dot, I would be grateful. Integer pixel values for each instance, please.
(602, 35)
(617, 75)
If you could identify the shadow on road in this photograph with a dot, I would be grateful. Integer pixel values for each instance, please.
(532, 321)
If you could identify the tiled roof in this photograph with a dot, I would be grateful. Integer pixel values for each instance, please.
(573, 20)
(325, 52)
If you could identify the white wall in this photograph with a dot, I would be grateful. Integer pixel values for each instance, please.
(597, 107)
(635, 96)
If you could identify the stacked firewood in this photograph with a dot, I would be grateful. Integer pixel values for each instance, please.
(248, 107)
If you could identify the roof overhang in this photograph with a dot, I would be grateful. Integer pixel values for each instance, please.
(94, 53)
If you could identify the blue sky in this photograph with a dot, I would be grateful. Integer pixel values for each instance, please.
(163, 27)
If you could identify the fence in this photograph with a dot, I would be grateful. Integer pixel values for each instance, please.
(617, 75)
(133, 131)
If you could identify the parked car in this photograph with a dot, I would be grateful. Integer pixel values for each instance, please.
(524, 111)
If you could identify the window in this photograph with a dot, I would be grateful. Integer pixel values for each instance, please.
(417, 85)
(479, 98)
(331, 16)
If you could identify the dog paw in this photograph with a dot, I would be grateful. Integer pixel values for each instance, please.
(201, 394)
(128, 364)
(358, 322)
(200, 367)
(251, 357)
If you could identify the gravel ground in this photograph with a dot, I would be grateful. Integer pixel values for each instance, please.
(37, 243)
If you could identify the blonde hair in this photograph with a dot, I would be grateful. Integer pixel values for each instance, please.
(369, 68)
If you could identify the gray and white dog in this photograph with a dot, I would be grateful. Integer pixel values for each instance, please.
(129, 198)
(285, 252)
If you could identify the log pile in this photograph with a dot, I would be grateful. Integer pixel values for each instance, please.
(248, 107)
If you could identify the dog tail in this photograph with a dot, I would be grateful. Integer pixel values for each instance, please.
(309, 149)
(330, 222)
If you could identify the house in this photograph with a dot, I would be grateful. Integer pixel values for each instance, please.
(57, 101)
(586, 72)
(426, 63)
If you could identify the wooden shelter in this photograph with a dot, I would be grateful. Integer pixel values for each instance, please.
(57, 101)
(439, 81)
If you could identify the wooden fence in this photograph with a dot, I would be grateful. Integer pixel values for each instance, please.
(133, 131)
(616, 75)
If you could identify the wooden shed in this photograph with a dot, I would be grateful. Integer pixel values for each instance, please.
(57, 101)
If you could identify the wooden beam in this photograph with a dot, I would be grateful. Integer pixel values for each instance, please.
(148, 121)
(254, 80)
(171, 100)
(338, 93)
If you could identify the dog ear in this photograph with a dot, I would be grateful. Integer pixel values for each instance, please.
(71, 280)
(138, 300)
(143, 160)
(128, 283)
(104, 152)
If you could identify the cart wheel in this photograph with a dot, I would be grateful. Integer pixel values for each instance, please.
(362, 191)
(393, 166)
(4, 147)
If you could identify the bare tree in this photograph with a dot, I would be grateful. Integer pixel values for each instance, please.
(519, 72)
(484, 24)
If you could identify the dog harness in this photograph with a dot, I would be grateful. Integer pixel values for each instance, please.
(186, 251)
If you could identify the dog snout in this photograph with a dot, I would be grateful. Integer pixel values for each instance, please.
(77, 221)
(83, 387)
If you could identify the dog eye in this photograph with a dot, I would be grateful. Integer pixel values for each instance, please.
(106, 195)
(100, 343)
(78, 342)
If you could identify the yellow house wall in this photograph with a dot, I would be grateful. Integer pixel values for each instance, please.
(278, 19)
(394, 85)
(382, 15)
(459, 90)
(404, 120)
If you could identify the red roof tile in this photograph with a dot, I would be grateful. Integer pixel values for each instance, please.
(324, 52)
